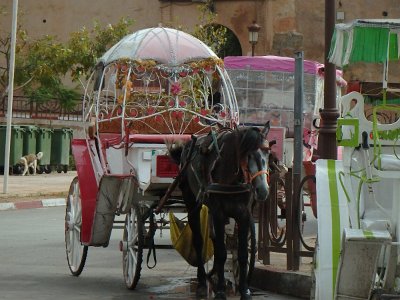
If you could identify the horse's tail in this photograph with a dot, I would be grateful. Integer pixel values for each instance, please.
(175, 150)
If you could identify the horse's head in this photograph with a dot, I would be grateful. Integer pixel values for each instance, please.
(255, 164)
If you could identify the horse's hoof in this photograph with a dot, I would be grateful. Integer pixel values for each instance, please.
(246, 295)
(201, 292)
(211, 273)
(220, 296)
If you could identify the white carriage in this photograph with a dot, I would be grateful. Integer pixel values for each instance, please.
(357, 254)
(154, 86)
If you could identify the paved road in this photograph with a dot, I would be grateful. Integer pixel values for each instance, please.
(33, 265)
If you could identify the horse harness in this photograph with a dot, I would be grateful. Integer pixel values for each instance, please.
(207, 187)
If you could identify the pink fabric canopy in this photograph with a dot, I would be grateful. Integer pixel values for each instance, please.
(270, 63)
(277, 64)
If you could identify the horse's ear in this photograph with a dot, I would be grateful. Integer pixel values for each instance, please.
(266, 129)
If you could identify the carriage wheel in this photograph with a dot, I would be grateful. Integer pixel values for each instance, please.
(76, 252)
(251, 246)
(132, 247)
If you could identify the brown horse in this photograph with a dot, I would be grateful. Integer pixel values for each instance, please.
(225, 171)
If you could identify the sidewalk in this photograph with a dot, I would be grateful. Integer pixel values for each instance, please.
(44, 190)
(35, 190)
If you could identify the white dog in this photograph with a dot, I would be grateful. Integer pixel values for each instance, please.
(30, 161)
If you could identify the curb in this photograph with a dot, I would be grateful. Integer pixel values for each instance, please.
(32, 204)
(291, 283)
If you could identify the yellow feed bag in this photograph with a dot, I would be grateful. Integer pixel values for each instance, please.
(181, 237)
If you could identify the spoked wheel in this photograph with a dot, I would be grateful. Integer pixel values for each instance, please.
(76, 252)
(307, 190)
(132, 247)
(251, 247)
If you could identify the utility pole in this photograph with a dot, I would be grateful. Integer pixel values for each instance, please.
(10, 96)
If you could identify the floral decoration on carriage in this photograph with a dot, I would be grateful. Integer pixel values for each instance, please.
(160, 80)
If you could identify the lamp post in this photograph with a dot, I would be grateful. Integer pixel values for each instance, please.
(10, 96)
(327, 146)
(254, 28)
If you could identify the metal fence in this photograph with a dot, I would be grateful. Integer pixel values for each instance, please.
(287, 239)
(50, 110)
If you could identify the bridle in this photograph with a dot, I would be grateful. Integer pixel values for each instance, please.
(248, 176)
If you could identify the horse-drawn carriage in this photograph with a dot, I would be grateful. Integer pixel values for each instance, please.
(154, 87)
(265, 89)
(357, 253)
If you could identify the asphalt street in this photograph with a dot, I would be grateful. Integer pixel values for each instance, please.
(34, 265)
(45, 195)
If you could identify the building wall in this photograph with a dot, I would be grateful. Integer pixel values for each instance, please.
(287, 25)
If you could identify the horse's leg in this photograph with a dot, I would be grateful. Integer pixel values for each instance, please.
(219, 254)
(243, 223)
(197, 240)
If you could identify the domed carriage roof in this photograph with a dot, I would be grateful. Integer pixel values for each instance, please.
(164, 45)
(161, 80)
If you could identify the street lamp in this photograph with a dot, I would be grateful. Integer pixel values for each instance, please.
(254, 28)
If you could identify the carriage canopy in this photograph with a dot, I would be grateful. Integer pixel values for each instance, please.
(166, 46)
(264, 87)
(160, 80)
(365, 40)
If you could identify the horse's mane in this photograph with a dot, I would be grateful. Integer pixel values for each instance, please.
(234, 148)
(251, 139)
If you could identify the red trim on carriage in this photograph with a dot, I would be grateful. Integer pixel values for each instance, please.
(157, 138)
(110, 139)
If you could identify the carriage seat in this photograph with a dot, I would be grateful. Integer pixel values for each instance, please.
(385, 191)
(388, 162)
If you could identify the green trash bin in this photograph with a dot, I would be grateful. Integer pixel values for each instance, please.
(29, 136)
(61, 148)
(16, 146)
(43, 144)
